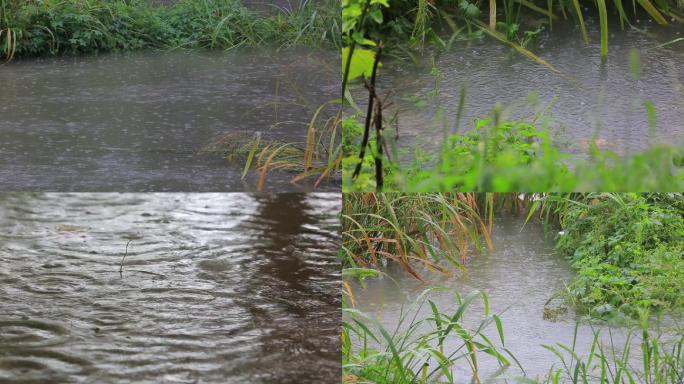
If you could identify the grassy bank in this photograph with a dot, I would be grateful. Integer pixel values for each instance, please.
(626, 249)
(52, 27)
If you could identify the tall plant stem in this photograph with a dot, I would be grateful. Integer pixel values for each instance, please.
(352, 47)
(369, 113)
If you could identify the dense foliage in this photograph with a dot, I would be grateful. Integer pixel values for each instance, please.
(513, 156)
(51, 27)
(628, 251)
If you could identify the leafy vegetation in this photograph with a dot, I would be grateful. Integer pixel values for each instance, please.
(494, 155)
(511, 156)
(52, 27)
(627, 249)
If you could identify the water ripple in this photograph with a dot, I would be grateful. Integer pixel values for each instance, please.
(210, 288)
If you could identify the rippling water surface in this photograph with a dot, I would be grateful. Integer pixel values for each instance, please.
(230, 288)
(589, 97)
(139, 121)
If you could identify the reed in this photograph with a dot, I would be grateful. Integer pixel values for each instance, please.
(427, 19)
(318, 157)
(430, 229)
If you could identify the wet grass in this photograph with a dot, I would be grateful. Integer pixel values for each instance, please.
(316, 159)
(54, 27)
(406, 229)
(625, 248)
(410, 354)
(429, 349)
(410, 24)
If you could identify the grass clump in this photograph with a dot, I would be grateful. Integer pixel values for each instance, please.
(627, 250)
(317, 158)
(507, 156)
(419, 350)
(52, 27)
(431, 229)
(429, 348)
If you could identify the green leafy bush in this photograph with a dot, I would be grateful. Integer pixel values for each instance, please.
(628, 251)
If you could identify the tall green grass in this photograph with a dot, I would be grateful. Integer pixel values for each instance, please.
(419, 350)
(428, 349)
(413, 22)
(52, 27)
(431, 229)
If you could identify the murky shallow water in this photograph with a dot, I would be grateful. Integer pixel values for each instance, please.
(209, 292)
(136, 122)
(518, 276)
(494, 73)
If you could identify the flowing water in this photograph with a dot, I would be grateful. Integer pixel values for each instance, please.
(588, 96)
(139, 121)
(223, 288)
(518, 276)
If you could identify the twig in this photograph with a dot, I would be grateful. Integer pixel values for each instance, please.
(123, 258)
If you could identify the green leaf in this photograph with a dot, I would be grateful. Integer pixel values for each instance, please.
(361, 62)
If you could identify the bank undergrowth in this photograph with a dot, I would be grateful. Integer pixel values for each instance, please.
(54, 27)
(627, 249)
(507, 156)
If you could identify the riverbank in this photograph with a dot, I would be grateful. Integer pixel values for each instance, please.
(624, 249)
(50, 28)
(444, 287)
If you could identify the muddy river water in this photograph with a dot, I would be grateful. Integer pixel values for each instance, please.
(518, 276)
(139, 121)
(588, 97)
(229, 288)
